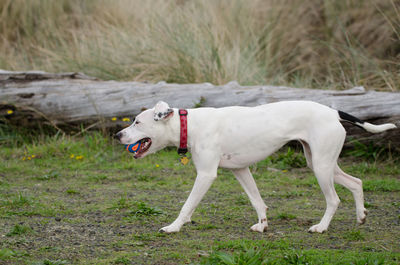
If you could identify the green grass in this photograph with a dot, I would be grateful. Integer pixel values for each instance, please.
(106, 208)
(281, 252)
(354, 235)
(18, 230)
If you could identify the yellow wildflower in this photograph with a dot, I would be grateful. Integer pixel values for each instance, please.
(29, 158)
(33, 156)
(126, 119)
(72, 156)
(157, 165)
(79, 157)
(10, 111)
(24, 158)
(114, 118)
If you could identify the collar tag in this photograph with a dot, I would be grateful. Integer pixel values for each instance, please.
(184, 160)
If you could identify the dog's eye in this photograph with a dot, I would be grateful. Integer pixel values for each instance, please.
(137, 122)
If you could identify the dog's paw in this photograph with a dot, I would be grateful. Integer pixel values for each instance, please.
(259, 227)
(169, 229)
(317, 229)
(362, 217)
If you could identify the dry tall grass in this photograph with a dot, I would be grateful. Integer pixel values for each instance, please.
(307, 43)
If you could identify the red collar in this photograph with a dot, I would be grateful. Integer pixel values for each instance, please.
(183, 139)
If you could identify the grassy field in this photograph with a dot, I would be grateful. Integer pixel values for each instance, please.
(308, 43)
(84, 200)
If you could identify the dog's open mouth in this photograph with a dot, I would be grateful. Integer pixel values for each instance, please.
(145, 144)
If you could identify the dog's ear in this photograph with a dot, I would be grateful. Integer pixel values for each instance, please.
(162, 111)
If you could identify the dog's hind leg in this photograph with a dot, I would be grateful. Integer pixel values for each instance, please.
(324, 174)
(325, 148)
(246, 179)
(355, 186)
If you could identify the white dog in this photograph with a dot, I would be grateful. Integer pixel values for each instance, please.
(237, 137)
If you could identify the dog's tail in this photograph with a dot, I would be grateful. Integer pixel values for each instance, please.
(365, 125)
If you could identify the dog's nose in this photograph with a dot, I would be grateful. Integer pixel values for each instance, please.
(118, 135)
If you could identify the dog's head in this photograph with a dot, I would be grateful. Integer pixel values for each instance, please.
(148, 128)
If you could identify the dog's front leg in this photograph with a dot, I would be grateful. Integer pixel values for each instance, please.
(201, 186)
(204, 179)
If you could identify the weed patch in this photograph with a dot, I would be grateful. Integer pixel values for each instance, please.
(290, 159)
(369, 151)
(142, 209)
(354, 235)
(122, 260)
(18, 230)
(72, 191)
(286, 216)
(16, 201)
(49, 176)
(295, 257)
(248, 256)
(135, 208)
(258, 253)
(52, 262)
(7, 254)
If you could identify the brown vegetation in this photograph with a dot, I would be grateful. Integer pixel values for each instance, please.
(309, 43)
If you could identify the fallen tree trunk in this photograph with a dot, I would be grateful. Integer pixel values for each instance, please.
(70, 99)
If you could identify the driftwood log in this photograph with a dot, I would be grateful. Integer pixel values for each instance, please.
(66, 100)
